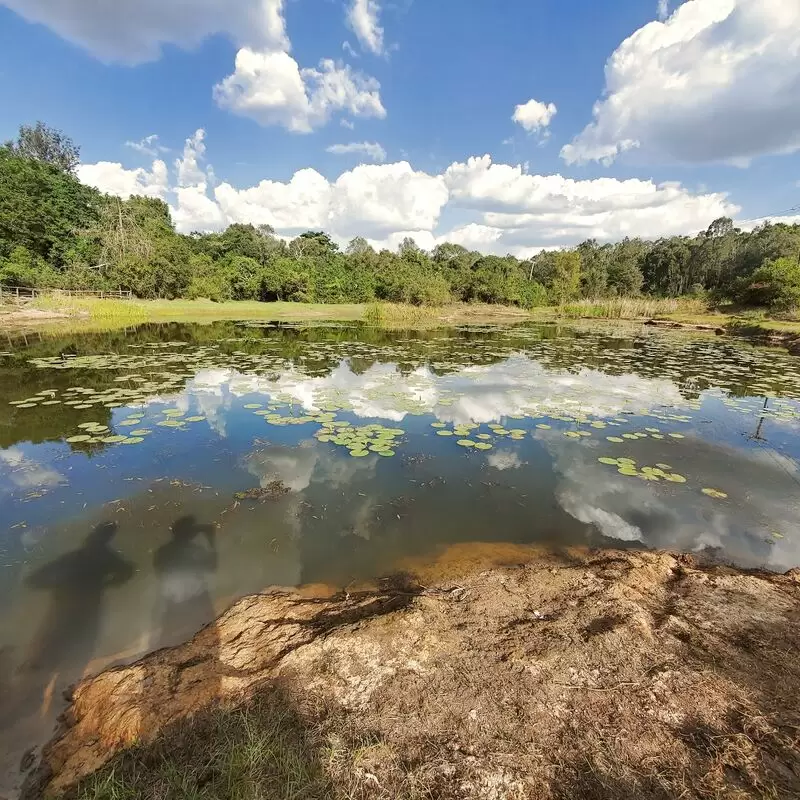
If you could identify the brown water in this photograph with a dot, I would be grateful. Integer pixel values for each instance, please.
(149, 478)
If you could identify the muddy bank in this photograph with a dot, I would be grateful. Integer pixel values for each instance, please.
(612, 674)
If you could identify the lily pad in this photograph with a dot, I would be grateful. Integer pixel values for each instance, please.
(466, 443)
(715, 493)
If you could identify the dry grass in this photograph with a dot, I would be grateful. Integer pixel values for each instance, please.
(399, 315)
(632, 308)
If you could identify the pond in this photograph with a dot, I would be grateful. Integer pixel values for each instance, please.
(150, 477)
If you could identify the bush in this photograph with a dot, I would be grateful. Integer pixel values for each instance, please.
(24, 268)
(776, 284)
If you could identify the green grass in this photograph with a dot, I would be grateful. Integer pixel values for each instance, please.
(134, 311)
(265, 750)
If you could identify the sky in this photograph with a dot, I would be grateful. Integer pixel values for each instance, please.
(507, 126)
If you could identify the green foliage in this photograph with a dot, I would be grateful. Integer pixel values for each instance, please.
(24, 268)
(566, 275)
(41, 207)
(56, 232)
(776, 284)
(46, 144)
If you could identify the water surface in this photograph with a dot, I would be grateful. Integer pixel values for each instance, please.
(150, 477)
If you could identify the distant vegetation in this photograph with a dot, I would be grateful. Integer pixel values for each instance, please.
(56, 232)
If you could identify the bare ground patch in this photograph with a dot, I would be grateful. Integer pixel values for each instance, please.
(571, 675)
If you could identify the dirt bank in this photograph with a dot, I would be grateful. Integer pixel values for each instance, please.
(612, 674)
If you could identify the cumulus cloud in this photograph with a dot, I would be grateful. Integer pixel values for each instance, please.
(717, 81)
(496, 208)
(267, 83)
(134, 31)
(271, 88)
(362, 19)
(371, 150)
(113, 178)
(187, 167)
(148, 146)
(663, 9)
(534, 115)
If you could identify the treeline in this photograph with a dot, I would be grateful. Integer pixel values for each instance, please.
(56, 232)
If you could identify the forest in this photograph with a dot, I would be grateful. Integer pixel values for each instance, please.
(56, 232)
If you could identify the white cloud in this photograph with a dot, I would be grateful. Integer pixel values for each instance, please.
(663, 9)
(380, 198)
(267, 84)
(534, 115)
(717, 81)
(187, 167)
(271, 88)
(362, 19)
(113, 178)
(493, 208)
(148, 146)
(300, 204)
(134, 31)
(371, 150)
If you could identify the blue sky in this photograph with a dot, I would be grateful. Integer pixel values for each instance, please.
(697, 114)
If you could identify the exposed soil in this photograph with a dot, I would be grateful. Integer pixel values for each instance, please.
(579, 674)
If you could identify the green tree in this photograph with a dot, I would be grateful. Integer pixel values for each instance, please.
(566, 278)
(42, 208)
(48, 145)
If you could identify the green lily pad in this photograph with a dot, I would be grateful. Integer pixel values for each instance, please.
(198, 418)
(466, 443)
(444, 433)
(483, 446)
(616, 439)
(606, 460)
(715, 493)
(140, 432)
(133, 440)
(79, 438)
(359, 453)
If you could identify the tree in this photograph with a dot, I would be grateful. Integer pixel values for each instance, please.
(624, 267)
(594, 268)
(41, 207)
(46, 144)
(667, 267)
(566, 275)
(358, 246)
(776, 284)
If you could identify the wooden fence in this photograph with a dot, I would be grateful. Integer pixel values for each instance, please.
(27, 293)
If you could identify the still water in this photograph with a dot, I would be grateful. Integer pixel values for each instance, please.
(150, 477)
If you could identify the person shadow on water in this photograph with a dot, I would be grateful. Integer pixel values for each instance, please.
(66, 640)
(183, 567)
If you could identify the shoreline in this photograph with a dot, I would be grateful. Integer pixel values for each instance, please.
(530, 673)
(70, 317)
